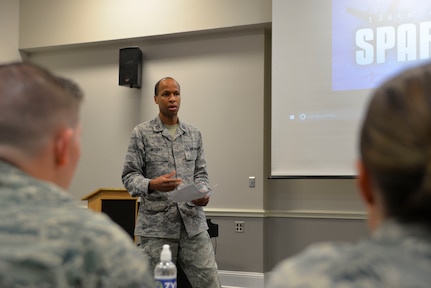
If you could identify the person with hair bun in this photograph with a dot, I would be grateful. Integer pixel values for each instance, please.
(394, 180)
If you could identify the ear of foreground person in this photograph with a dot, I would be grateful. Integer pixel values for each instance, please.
(46, 238)
(394, 180)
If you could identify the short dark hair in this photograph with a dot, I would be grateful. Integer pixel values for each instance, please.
(156, 87)
(34, 103)
(395, 144)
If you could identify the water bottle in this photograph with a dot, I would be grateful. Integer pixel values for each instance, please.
(165, 272)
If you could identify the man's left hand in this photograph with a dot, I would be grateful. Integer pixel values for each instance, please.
(202, 201)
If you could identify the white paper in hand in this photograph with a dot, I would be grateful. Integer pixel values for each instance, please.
(187, 192)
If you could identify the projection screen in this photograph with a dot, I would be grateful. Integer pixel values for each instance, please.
(327, 56)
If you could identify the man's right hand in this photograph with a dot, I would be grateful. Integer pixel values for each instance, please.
(165, 183)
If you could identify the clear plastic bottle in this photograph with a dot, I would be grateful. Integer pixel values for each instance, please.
(165, 272)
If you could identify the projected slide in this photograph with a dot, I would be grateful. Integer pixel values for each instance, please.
(327, 56)
(374, 39)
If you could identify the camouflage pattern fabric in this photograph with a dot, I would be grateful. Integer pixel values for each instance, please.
(154, 152)
(196, 257)
(48, 240)
(394, 256)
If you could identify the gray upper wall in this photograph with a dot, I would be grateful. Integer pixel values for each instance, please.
(9, 25)
(50, 23)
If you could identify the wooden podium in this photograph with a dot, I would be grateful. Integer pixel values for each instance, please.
(117, 204)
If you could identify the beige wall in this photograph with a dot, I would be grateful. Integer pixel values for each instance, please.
(221, 76)
(82, 21)
(9, 27)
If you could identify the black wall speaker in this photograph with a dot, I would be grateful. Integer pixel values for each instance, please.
(130, 71)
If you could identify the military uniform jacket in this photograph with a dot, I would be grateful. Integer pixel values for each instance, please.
(47, 239)
(153, 152)
(396, 256)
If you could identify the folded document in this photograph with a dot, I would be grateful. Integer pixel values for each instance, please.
(188, 192)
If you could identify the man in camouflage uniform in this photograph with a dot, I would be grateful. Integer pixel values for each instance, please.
(394, 177)
(46, 238)
(162, 154)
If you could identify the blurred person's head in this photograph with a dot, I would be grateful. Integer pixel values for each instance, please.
(39, 122)
(395, 150)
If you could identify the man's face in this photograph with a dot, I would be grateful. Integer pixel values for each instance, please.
(169, 98)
